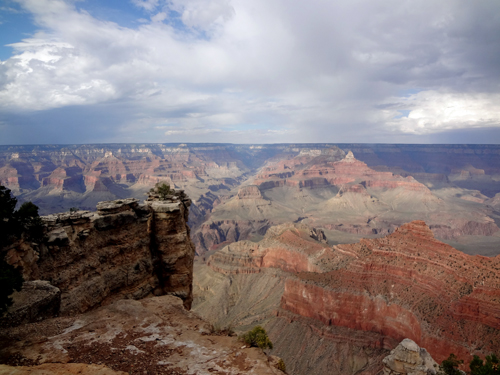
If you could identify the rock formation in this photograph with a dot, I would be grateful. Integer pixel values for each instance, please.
(36, 301)
(409, 358)
(369, 295)
(124, 250)
(151, 336)
(350, 190)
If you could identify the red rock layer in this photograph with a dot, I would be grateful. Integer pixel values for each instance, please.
(406, 285)
(290, 248)
(315, 171)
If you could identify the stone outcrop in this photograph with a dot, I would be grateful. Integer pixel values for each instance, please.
(249, 192)
(409, 358)
(37, 300)
(290, 247)
(124, 250)
(151, 336)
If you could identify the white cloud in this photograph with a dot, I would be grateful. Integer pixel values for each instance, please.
(434, 111)
(148, 5)
(312, 71)
(203, 14)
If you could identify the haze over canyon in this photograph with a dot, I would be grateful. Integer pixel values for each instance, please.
(351, 247)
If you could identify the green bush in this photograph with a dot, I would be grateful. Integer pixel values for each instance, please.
(25, 223)
(281, 366)
(491, 367)
(162, 190)
(450, 366)
(257, 337)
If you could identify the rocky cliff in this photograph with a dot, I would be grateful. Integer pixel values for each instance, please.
(361, 299)
(124, 250)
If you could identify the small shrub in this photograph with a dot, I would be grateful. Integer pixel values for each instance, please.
(281, 366)
(491, 367)
(73, 209)
(257, 337)
(162, 190)
(216, 330)
(450, 366)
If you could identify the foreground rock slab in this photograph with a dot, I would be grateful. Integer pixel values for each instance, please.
(59, 369)
(151, 336)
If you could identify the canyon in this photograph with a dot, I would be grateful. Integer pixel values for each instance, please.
(351, 248)
(353, 303)
(238, 191)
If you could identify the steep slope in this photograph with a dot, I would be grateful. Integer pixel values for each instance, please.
(357, 300)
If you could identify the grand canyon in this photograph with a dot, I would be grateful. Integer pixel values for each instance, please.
(341, 251)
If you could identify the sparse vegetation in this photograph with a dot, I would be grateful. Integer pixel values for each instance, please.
(23, 223)
(73, 209)
(216, 330)
(162, 189)
(257, 337)
(450, 366)
(281, 366)
(477, 366)
(490, 367)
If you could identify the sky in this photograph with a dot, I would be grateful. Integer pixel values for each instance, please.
(258, 71)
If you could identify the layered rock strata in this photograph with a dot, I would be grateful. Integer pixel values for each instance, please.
(373, 294)
(124, 250)
(406, 285)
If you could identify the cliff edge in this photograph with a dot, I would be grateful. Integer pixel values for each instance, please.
(123, 250)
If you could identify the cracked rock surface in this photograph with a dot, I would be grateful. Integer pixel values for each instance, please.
(151, 336)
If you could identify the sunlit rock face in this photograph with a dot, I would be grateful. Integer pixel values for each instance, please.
(124, 250)
(409, 358)
(355, 301)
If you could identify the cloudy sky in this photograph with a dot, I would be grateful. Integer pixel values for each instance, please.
(249, 71)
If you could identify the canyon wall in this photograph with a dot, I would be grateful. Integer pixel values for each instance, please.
(124, 250)
(356, 301)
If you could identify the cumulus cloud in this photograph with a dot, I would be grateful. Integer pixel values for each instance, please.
(323, 71)
(431, 111)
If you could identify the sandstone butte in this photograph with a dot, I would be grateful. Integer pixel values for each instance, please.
(405, 285)
(331, 167)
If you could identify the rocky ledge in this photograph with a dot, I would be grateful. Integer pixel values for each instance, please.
(151, 336)
(124, 250)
